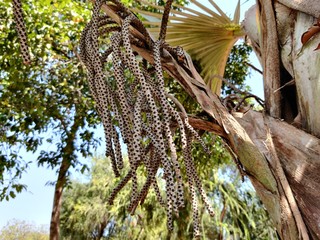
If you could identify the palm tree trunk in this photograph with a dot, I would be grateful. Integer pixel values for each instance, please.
(294, 161)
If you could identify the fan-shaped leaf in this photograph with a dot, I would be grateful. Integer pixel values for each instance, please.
(207, 35)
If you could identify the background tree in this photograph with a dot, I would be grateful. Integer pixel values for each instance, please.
(85, 213)
(22, 230)
(47, 102)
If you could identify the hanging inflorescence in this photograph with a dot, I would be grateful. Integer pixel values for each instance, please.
(21, 30)
(133, 102)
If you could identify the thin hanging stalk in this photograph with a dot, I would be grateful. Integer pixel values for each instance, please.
(21, 30)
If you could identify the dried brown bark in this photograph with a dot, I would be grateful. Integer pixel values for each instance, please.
(300, 62)
(298, 153)
(270, 59)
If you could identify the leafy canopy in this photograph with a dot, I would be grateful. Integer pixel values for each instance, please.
(47, 102)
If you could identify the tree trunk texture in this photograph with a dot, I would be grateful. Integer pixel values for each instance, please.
(57, 200)
(285, 147)
(300, 63)
(298, 154)
(67, 158)
(270, 59)
(282, 161)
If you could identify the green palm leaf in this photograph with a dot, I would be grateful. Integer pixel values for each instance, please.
(208, 36)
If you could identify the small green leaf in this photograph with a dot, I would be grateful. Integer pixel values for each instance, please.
(12, 194)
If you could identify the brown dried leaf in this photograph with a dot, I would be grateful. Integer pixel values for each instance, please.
(309, 34)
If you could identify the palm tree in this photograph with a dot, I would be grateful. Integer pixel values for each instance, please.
(280, 156)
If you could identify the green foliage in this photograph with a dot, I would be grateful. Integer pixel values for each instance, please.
(145, 5)
(48, 101)
(237, 68)
(85, 213)
(239, 214)
(22, 230)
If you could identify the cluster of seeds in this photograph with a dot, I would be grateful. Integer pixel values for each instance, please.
(132, 101)
(21, 30)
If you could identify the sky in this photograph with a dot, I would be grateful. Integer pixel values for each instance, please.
(34, 205)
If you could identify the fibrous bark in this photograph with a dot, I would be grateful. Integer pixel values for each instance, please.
(301, 62)
(270, 59)
(298, 153)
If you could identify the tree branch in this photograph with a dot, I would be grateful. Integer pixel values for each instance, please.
(254, 67)
(200, 124)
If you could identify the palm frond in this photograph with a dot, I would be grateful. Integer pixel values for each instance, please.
(207, 35)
